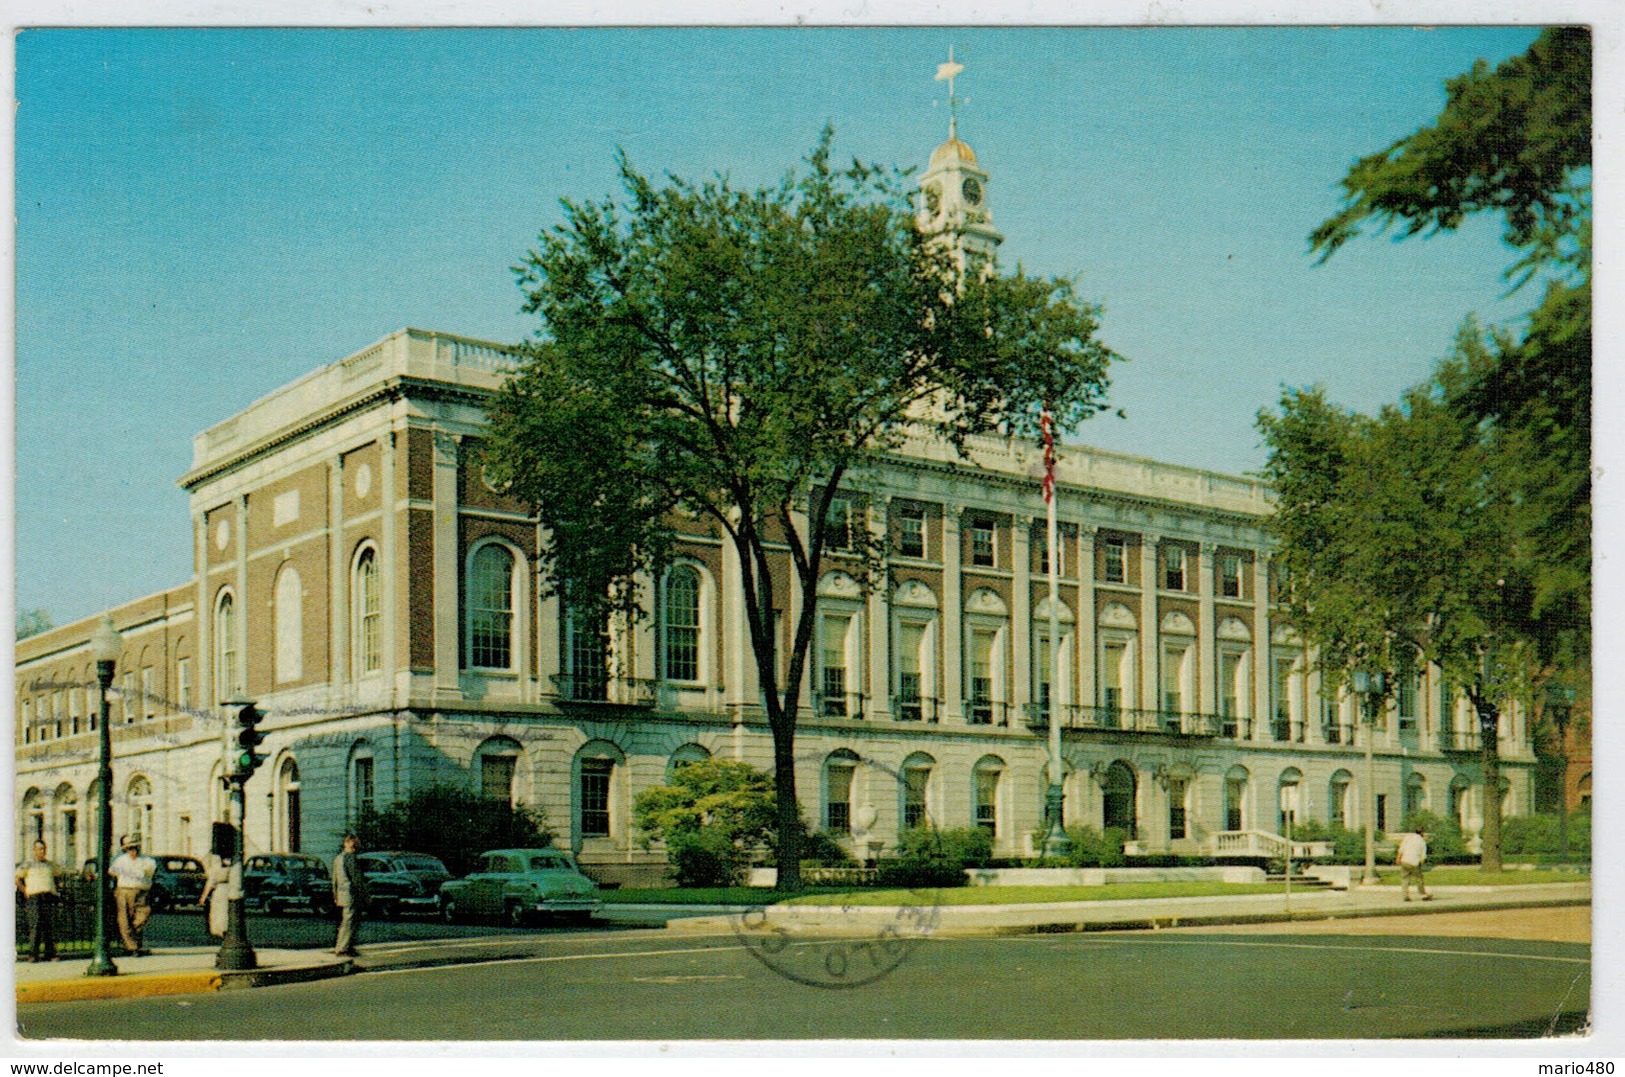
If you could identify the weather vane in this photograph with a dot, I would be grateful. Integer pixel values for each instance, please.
(948, 71)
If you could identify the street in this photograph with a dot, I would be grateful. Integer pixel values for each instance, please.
(640, 985)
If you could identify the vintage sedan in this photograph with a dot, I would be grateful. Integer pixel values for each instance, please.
(282, 882)
(517, 884)
(402, 882)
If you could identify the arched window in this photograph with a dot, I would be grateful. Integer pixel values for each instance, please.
(840, 768)
(65, 850)
(914, 612)
(1340, 800)
(228, 682)
(138, 811)
(839, 647)
(1416, 795)
(985, 788)
(1459, 786)
(1052, 667)
(362, 785)
(1290, 801)
(986, 628)
(680, 624)
(33, 820)
(1118, 799)
(496, 765)
(597, 813)
(490, 608)
(916, 791)
(586, 657)
(290, 626)
(688, 753)
(366, 616)
(1236, 781)
(286, 807)
(1118, 642)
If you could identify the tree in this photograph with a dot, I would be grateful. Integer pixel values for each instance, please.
(1515, 140)
(712, 817)
(33, 622)
(454, 824)
(716, 358)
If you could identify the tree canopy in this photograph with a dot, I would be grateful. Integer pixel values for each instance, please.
(725, 359)
(712, 816)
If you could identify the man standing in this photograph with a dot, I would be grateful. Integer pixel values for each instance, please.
(132, 876)
(36, 882)
(350, 895)
(1413, 853)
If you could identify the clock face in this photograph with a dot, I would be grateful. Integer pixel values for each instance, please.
(972, 190)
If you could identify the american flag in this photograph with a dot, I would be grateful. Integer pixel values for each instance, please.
(1047, 424)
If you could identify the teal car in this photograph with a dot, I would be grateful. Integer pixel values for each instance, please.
(518, 884)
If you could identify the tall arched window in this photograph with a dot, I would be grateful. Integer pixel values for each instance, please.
(290, 626)
(1340, 799)
(138, 817)
(287, 807)
(66, 849)
(986, 780)
(688, 753)
(1235, 798)
(916, 790)
(490, 608)
(839, 770)
(366, 617)
(1291, 810)
(1118, 799)
(363, 788)
(227, 669)
(496, 763)
(680, 624)
(598, 810)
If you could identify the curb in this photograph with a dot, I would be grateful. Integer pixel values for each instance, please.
(148, 985)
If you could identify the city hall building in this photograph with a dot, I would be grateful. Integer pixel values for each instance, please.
(357, 575)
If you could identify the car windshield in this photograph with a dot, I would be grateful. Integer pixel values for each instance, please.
(182, 863)
(307, 868)
(548, 863)
(422, 863)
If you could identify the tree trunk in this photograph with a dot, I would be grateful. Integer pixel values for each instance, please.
(789, 806)
(1491, 834)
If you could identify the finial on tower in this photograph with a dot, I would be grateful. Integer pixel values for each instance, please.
(948, 71)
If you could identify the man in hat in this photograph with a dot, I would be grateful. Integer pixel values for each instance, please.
(132, 878)
(36, 884)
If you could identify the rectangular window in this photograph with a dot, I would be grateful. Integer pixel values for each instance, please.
(1408, 696)
(915, 781)
(363, 784)
(910, 641)
(1177, 828)
(183, 683)
(981, 543)
(147, 693)
(838, 819)
(1043, 673)
(496, 776)
(911, 531)
(1111, 680)
(588, 655)
(833, 681)
(1173, 568)
(595, 775)
(838, 525)
(1230, 576)
(987, 800)
(981, 677)
(682, 625)
(1230, 693)
(1382, 811)
(1173, 681)
(1042, 542)
(127, 701)
(1281, 694)
(1114, 568)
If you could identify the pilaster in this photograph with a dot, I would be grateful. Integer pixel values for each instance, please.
(879, 608)
(1021, 617)
(337, 622)
(1263, 714)
(390, 554)
(953, 635)
(1085, 614)
(1150, 626)
(447, 449)
(1206, 661)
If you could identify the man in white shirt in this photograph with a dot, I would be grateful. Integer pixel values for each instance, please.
(132, 878)
(1413, 853)
(36, 882)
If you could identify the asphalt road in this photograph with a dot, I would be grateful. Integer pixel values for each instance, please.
(645, 985)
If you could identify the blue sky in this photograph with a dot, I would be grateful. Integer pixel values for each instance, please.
(204, 215)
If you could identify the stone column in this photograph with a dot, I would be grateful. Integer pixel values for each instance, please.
(1022, 688)
(1085, 613)
(952, 652)
(446, 569)
(1206, 631)
(1263, 715)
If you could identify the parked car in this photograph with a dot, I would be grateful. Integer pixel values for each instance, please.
(280, 882)
(516, 884)
(403, 882)
(178, 881)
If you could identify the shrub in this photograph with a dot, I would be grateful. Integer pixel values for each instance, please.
(927, 857)
(1444, 834)
(454, 824)
(712, 817)
(1093, 849)
(1538, 835)
(821, 849)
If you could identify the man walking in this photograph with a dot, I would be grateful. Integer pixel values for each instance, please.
(132, 877)
(36, 882)
(350, 895)
(1413, 853)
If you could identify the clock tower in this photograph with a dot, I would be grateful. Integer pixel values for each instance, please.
(953, 192)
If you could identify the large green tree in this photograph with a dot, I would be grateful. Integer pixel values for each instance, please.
(731, 357)
(1457, 523)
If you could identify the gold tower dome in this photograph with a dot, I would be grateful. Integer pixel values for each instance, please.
(952, 151)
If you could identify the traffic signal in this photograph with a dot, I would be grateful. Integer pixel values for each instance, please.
(245, 760)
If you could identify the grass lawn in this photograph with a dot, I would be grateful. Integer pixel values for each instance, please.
(959, 895)
(1474, 877)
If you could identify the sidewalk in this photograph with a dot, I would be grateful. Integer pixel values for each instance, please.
(963, 920)
(179, 970)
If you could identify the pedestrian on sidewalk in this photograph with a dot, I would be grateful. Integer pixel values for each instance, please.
(132, 876)
(36, 882)
(217, 876)
(350, 895)
(1413, 854)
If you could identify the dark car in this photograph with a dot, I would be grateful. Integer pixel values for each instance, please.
(177, 882)
(400, 882)
(281, 882)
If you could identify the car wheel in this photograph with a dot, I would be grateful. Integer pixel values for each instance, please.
(448, 911)
(515, 914)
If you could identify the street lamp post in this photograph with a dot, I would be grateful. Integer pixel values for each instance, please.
(1367, 685)
(104, 645)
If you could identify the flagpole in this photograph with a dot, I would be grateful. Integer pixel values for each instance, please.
(1056, 844)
